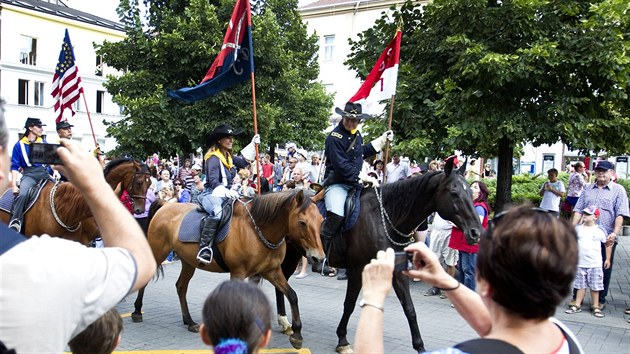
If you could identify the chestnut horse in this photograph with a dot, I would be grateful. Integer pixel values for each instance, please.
(255, 244)
(388, 217)
(62, 211)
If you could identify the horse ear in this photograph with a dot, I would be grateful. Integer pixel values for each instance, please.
(462, 168)
(299, 197)
(448, 168)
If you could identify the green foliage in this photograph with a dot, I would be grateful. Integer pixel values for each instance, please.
(475, 73)
(174, 46)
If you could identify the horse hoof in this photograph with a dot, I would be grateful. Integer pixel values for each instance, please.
(193, 328)
(296, 342)
(136, 317)
(344, 349)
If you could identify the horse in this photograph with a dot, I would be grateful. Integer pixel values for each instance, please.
(387, 220)
(254, 245)
(62, 211)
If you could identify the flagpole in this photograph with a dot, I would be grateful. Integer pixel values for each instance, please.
(251, 54)
(89, 118)
(389, 127)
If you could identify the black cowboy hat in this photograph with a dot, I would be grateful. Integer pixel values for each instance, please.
(220, 132)
(32, 121)
(352, 110)
(64, 125)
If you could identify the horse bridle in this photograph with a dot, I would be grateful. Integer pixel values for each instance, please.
(133, 177)
(262, 238)
(384, 217)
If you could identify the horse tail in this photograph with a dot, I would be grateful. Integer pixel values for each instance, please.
(155, 206)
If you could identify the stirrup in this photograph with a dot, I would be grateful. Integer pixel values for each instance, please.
(203, 260)
(15, 225)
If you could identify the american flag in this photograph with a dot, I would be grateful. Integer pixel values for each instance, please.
(66, 82)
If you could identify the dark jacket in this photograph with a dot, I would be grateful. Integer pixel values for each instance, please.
(343, 161)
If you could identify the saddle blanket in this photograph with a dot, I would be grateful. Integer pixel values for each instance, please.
(190, 229)
(352, 209)
(6, 201)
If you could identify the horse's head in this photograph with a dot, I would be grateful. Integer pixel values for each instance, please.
(304, 224)
(453, 202)
(138, 186)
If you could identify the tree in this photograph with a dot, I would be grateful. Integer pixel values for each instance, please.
(174, 45)
(486, 76)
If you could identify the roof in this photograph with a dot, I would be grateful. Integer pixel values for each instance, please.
(65, 12)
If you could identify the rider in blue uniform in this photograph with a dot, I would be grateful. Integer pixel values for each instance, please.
(345, 152)
(221, 167)
(31, 173)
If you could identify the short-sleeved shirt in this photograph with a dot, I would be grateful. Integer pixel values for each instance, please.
(551, 201)
(590, 241)
(52, 289)
(611, 200)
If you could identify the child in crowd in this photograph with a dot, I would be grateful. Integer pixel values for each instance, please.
(552, 191)
(590, 273)
(236, 318)
(101, 337)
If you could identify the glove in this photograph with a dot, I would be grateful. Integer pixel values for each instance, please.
(249, 151)
(367, 180)
(379, 142)
(231, 194)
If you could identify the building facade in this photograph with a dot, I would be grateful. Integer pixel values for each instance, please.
(31, 35)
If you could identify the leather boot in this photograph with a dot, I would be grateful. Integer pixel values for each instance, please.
(208, 230)
(331, 227)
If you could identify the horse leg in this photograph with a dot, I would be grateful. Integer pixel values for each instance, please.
(352, 293)
(289, 263)
(136, 316)
(277, 279)
(401, 287)
(182, 289)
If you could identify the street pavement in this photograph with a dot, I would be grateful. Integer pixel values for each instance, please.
(321, 306)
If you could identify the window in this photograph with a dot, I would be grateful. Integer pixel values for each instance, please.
(39, 93)
(99, 66)
(28, 50)
(76, 106)
(100, 101)
(22, 91)
(329, 46)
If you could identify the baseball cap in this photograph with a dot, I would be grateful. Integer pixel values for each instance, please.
(604, 165)
(591, 210)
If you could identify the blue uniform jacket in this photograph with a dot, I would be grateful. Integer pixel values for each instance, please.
(345, 166)
(213, 172)
(19, 158)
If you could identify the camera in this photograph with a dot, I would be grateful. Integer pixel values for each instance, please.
(403, 261)
(45, 154)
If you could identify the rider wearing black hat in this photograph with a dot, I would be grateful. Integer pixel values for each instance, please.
(221, 168)
(32, 173)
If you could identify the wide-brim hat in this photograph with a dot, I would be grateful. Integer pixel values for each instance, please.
(33, 121)
(352, 110)
(64, 125)
(222, 131)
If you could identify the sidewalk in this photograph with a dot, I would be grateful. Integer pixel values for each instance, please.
(321, 306)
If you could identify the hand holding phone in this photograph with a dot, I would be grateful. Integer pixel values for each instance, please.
(403, 261)
(44, 154)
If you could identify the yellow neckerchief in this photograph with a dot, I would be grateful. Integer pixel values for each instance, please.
(27, 142)
(353, 131)
(226, 162)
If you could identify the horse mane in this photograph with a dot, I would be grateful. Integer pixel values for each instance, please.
(401, 190)
(266, 208)
(73, 201)
(115, 163)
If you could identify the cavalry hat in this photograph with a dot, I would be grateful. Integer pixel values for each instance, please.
(222, 131)
(604, 165)
(591, 210)
(64, 125)
(32, 121)
(352, 110)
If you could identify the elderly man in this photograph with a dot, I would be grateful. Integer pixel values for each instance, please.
(612, 200)
(64, 130)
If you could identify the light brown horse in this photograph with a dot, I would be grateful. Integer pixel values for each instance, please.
(255, 244)
(61, 210)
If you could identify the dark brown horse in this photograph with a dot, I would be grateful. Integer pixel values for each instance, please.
(388, 218)
(254, 245)
(61, 210)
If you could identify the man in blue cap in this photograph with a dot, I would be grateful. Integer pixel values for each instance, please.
(31, 173)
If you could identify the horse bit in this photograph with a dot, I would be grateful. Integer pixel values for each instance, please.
(384, 217)
(262, 238)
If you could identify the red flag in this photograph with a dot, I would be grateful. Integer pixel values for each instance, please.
(381, 82)
(66, 81)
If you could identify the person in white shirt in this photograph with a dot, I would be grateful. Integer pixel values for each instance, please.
(552, 191)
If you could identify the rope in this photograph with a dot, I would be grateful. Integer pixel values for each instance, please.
(53, 190)
(384, 217)
(262, 238)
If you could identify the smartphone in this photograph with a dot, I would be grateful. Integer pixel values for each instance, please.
(45, 154)
(403, 261)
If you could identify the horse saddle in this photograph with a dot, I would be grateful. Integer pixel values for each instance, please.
(190, 228)
(7, 198)
(352, 208)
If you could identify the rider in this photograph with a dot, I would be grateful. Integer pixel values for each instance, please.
(31, 173)
(220, 167)
(344, 160)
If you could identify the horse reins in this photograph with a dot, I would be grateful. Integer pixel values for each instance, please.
(53, 190)
(258, 232)
(384, 217)
(133, 177)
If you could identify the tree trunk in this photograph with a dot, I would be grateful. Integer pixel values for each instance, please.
(504, 174)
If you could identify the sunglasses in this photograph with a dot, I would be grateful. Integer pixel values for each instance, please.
(178, 184)
(492, 224)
